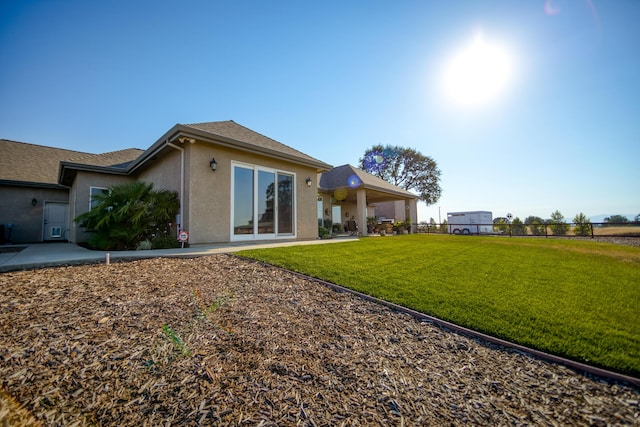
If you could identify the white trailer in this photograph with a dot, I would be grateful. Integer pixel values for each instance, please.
(473, 222)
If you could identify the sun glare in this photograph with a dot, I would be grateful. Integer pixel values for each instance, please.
(477, 74)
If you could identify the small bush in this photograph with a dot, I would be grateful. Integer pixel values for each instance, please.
(323, 233)
(165, 242)
(145, 245)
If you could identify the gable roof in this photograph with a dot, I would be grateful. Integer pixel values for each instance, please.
(341, 177)
(240, 137)
(29, 164)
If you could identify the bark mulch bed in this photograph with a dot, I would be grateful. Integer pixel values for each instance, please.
(223, 341)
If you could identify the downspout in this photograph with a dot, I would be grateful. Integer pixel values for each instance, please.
(181, 184)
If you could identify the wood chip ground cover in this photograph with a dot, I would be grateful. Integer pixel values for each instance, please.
(96, 345)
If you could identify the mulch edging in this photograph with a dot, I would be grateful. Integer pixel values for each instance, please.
(85, 345)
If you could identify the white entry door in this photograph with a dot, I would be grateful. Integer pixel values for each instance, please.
(56, 221)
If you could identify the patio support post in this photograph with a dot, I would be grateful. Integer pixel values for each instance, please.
(411, 211)
(407, 214)
(361, 208)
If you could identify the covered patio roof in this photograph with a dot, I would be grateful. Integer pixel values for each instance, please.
(351, 179)
(348, 184)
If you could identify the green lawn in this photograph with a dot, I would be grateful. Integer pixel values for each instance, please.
(574, 298)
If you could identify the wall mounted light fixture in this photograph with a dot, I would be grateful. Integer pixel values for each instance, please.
(308, 181)
(184, 139)
(34, 201)
(213, 164)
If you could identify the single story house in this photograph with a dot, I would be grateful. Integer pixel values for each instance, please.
(233, 183)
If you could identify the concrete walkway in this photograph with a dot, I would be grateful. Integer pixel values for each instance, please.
(56, 254)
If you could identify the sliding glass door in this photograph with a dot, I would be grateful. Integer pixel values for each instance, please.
(242, 206)
(285, 204)
(263, 204)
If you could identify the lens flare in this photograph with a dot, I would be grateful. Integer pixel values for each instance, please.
(550, 9)
(376, 161)
(354, 181)
(340, 194)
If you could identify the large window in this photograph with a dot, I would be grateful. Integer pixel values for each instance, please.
(320, 212)
(266, 202)
(285, 203)
(242, 205)
(93, 191)
(263, 203)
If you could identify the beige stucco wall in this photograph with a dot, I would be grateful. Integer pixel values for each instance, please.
(164, 171)
(79, 198)
(27, 220)
(208, 193)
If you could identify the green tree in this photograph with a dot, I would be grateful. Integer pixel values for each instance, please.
(500, 224)
(518, 228)
(129, 213)
(582, 225)
(616, 219)
(557, 224)
(535, 224)
(406, 168)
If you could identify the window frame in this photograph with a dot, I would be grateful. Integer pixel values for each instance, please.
(256, 235)
(91, 188)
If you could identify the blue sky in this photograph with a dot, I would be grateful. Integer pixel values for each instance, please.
(333, 78)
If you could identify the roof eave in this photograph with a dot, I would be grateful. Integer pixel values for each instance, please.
(33, 184)
(399, 194)
(68, 171)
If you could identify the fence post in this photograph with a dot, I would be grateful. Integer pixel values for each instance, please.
(591, 227)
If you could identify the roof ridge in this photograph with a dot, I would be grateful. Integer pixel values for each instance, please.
(45, 146)
(68, 150)
(252, 131)
(119, 151)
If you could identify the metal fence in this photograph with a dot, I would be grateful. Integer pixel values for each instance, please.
(565, 229)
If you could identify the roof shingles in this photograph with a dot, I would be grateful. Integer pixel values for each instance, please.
(23, 162)
(233, 131)
(339, 176)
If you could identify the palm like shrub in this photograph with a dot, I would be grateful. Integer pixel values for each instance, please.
(127, 214)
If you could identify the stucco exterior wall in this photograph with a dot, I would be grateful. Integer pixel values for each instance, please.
(164, 172)
(27, 220)
(79, 199)
(208, 194)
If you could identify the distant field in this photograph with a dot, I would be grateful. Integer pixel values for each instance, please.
(617, 231)
(575, 298)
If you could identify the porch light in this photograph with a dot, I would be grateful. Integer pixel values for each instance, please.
(213, 164)
(308, 181)
(34, 201)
